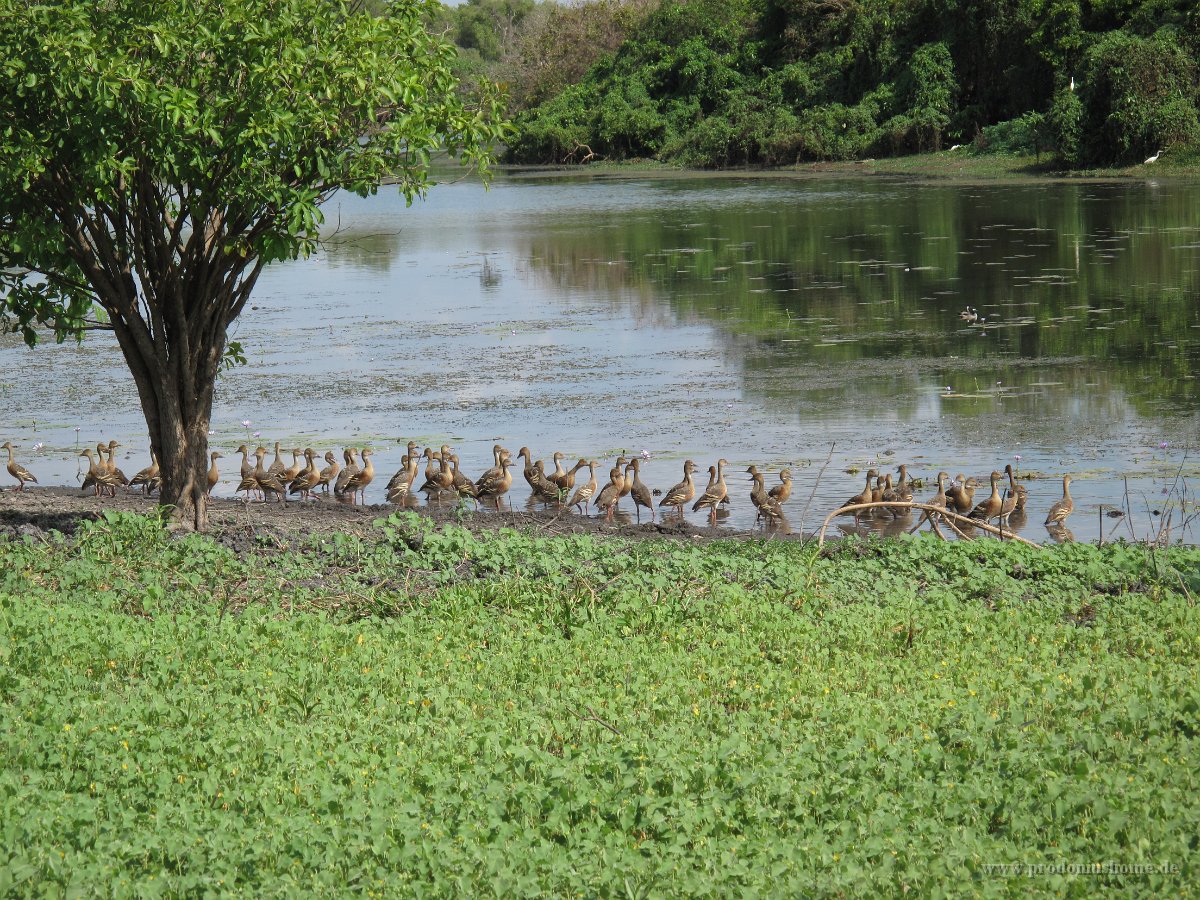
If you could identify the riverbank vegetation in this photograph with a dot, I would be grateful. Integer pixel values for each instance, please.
(515, 713)
(710, 83)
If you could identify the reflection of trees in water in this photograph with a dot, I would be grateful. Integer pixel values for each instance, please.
(1109, 273)
(565, 267)
(489, 276)
(359, 249)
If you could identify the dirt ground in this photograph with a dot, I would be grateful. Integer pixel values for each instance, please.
(36, 511)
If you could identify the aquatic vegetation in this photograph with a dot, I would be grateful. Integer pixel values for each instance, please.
(451, 712)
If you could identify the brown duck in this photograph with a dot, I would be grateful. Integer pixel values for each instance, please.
(118, 477)
(1062, 508)
(758, 492)
(938, 500)
(268, 483)
(608, 497)
(247, 466)
(399, 488)
(1021, 492)
(529, 471)
(543, 488)
(463, 486)
(249, 483)
(864, 496)
(638, 490)
(277, 467)
(494, 483)
(94, 474)
(715, 492)
(147, 476)
(683, 492)
(213, 474)
(306, 482)
(991, 507)
(329, 474)
(290, 473)
(349, 470)
(584, 493)
(558, 476)
(782, 491)
(961, 496)
(357, 485)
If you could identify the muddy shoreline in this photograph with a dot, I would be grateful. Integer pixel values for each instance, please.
(35, 512)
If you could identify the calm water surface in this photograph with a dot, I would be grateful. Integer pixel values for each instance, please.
(800, 322)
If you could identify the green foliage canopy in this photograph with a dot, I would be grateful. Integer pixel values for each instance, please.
(223, 123)
(780, 81)
(156, 154)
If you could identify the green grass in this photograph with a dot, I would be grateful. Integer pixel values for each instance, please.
(960, 165)
(445, 713)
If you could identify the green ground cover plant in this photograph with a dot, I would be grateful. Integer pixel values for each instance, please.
(441, 712)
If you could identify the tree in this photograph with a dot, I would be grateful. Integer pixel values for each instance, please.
(157, 154)
(1138, 95)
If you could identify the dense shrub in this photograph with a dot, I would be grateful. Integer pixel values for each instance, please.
(1026, 134)
(1064, 124)
(706, 83)
(1139, 94)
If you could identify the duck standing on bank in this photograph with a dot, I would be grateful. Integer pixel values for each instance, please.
(782, 491)
(329, 474)
(585, 492)
(608, 497)
(495, 482)
(214, 474)
(682, 493)
(349, 470)
(715, 492)
(638, 490)
(147, 476)
(357, 485)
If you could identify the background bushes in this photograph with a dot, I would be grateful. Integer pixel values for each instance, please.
(775, 82)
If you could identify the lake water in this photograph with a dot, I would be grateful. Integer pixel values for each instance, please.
(782, 321)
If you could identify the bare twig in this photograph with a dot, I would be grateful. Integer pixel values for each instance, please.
(599, 721)
(813, 492)
(949, 517)
(1129, 511)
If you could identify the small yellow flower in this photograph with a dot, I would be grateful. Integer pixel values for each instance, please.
(66, 728)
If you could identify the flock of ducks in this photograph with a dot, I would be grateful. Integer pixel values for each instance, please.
(957, 497)
(443, 480)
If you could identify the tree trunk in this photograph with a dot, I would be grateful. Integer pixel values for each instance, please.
(182, 449)
(177, 419)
